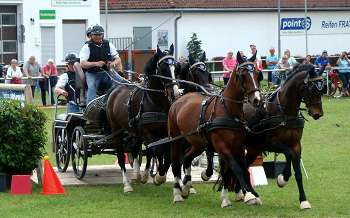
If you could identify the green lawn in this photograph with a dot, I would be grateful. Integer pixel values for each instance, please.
(326, 152)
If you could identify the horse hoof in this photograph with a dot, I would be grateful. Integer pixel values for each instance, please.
(178, 199)
(193, 191)
(204, 176)
(250, 199)
(239, 196)
(144, 178)
(305, 205)
(280, 181)
(158, 180)
(138, 178)
(258, 201)
(226, 203)
(185, 191)
(128, 189)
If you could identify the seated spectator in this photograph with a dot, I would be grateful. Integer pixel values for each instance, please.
(322, 62)
(278, 75)
(50, 70)
(271, 63)
(14, 73)
(344, 72)
(229, 64)
(291, 59)
(307, 59)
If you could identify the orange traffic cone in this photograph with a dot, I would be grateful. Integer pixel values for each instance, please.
(126, 159)
(51, 183)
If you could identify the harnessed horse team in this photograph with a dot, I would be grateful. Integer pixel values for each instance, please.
(238, 123)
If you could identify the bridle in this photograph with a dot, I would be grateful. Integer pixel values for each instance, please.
(200, 66)
(313, 86)
(250, 67)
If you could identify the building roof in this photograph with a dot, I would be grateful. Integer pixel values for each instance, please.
(219, 4)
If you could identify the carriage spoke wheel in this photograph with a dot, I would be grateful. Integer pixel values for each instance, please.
(79, 152)
(62, 150)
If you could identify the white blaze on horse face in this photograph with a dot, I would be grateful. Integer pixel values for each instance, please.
(256, 93)
(175, 87)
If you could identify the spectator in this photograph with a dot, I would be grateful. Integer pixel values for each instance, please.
(229, 64)
(258, 62)
(50, 70)
(291, 59)
(31, 68)
(322, 62)
(271, 63)
(344, 72)
(284, 65)
(66, 82)
(182, 60)
(1, 72)
(14, 73)
(307, 59)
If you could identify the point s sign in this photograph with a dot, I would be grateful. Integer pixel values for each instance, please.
(295, 23)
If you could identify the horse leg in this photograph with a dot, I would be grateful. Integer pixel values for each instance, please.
(145, 173)
(189, 156)
(121, 161)
(137, 165)
(249, 198)
(176, 150)
(160, 177)
(206, 174)
(226, 179)
(304, 204)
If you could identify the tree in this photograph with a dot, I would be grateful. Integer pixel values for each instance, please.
(194, 47)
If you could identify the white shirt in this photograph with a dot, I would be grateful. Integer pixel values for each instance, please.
(84, 53)
(62, 81)
(13, 73)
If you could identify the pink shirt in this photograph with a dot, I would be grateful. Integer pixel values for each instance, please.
(230, 64)
(46, 70)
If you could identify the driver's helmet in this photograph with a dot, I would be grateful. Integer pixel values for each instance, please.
(71, 58)
(97, 30)
(88, 31)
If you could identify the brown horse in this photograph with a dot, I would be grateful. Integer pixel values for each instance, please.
(138, 115)
(218, 120)
(278, 125)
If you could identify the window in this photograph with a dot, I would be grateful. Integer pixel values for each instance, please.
(9, 46)
(9, 19)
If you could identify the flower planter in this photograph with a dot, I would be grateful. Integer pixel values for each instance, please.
(273, 168)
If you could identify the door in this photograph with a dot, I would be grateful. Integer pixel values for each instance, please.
(73, 35)
(142, 38)
(47, 44)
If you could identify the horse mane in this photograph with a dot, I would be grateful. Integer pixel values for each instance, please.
(151, 66)
(310, 69)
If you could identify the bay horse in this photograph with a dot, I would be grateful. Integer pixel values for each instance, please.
(195, 72)
(214, 122)
(278, 124)
(139, 115)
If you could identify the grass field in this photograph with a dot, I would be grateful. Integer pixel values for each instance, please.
(326, 153)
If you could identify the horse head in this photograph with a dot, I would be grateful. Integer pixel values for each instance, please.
(163, 65)
(249, 78)
(311, 89)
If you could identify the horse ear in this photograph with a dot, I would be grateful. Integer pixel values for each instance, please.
(203, 57)
(159, 52)
(190, 59)
(171, 49)
(239, 58)
(253, 58)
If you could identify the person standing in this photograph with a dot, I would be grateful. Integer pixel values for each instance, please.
(14, 74)
(96, 56)
(344, 72)
(229, 64)
(31, 68)
(271, 63)
(50, 70)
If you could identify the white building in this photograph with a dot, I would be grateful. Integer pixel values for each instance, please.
(221, 25)
(44, 28)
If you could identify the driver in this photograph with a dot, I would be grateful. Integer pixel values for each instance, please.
(96, 56)
(66, 84)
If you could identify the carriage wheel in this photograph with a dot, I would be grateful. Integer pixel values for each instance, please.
(154, 167)
(62, 149)
(79, 152)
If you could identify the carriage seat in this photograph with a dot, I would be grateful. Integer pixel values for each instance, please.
(61, 117)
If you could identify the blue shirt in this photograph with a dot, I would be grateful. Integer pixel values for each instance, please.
(322, 61)
(270, 58)
(343, 63)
